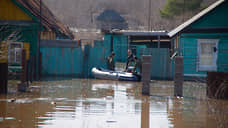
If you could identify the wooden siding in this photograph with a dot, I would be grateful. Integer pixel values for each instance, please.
(223, 54)
(23, 34)
(26, 46)
(187, 44)
(216, 19)
(3, 52)
(188, 48)
(10, 11)
(47, 36)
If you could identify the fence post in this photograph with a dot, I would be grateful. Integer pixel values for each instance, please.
(34, 71)
(23, 85)
(3, 67)
(3, 77)
(31, 69)
(146, 73)
(40, 66)
(178, 77)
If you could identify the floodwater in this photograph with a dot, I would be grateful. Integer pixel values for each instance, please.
(85, 103)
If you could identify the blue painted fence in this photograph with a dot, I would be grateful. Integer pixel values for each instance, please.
(119, 45)
(162, 67)
(71, 60)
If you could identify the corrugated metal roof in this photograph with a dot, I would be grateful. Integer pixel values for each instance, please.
(49, 21)
(195, 18)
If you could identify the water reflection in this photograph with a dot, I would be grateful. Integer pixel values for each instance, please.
(145, 112)
(110, 104)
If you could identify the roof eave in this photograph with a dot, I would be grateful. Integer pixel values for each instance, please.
(195, 18)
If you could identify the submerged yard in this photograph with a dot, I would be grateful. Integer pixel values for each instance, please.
(90, 103)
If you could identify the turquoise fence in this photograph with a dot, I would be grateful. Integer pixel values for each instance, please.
(117, 43)
(71, 60)
(162, 68)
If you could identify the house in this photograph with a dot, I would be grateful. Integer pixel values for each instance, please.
(110, 19)
(23, 24)
(203, 41)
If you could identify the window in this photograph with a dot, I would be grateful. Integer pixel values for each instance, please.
(207, 54)
(15, 49)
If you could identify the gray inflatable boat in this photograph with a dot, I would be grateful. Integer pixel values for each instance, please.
(101, 73)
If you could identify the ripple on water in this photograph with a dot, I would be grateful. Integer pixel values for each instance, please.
(9, 118)
(1, 119)
(22, 101)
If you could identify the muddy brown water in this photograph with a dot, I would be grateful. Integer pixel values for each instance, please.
(84, 103)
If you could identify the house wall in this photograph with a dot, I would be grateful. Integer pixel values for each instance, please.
(26, 34)
(10, 11)
(187, 42)
(215, 19)
(47, 35)
(4, 52)
(18, 25)
(188, 49)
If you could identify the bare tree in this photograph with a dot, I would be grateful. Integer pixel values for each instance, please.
(81, 13)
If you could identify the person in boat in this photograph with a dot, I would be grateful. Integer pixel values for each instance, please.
(138, 65)
(111, 62)
(130, 59)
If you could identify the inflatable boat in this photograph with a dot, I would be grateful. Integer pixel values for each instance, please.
(101, 73)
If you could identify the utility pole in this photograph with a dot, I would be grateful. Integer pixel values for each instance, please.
(149, 15)
(183, 18)
(37, 62)
(38, 45)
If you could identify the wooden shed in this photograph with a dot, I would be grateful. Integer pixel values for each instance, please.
(203, 41)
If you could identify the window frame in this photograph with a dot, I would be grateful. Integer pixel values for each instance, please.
(213, 67)
(15, 50)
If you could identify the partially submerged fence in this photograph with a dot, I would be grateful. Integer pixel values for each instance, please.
(162, 67)
(67, 58)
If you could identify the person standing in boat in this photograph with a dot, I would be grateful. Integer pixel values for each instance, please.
(138, 65)
(111, 62)
(130, 59)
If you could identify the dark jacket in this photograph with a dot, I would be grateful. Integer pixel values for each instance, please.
(111, 63)
(138, 65)
(129, 60)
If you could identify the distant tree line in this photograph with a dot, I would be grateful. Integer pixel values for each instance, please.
(177, 7)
